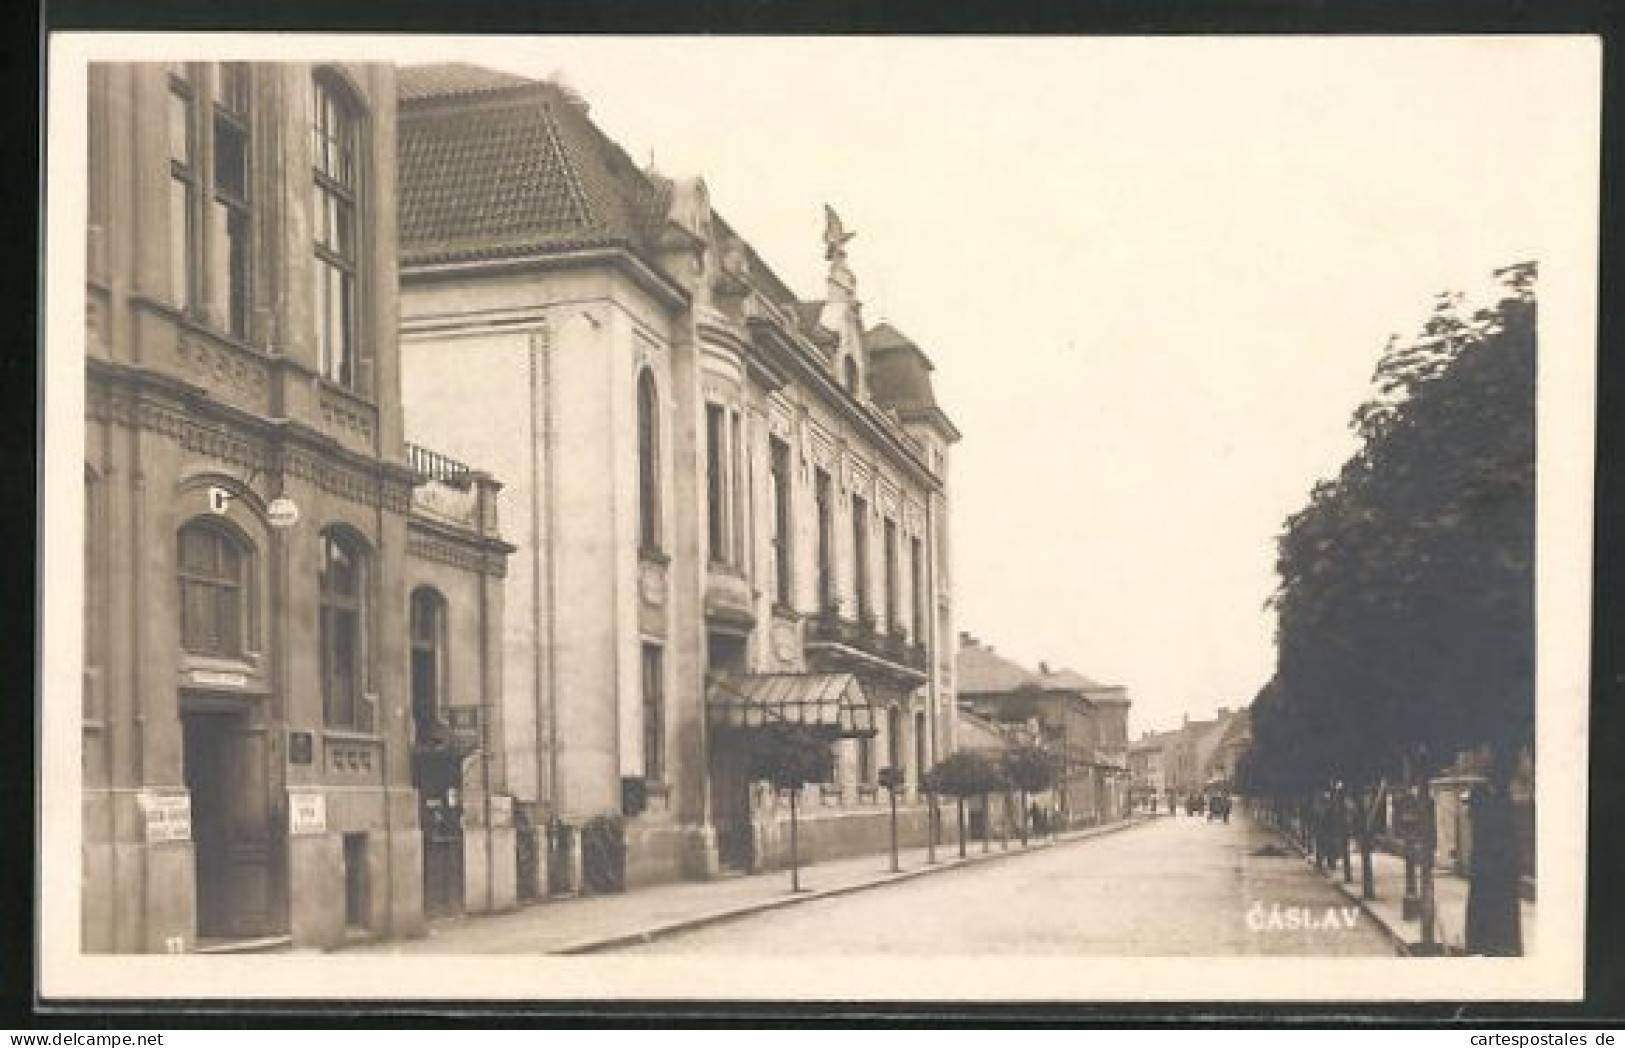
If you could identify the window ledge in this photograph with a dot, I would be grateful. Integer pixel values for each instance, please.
(248, 663)
(328, 385)
(196, 324)
(350, 735)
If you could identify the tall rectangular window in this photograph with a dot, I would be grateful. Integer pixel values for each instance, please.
(426, 628)
(183, 190)
(916, 573)
(860, 554)
(779, 481)
(654, 716)
(921, 757)
(826, 541)
(340, 584)
(231, 193)
(336, 132)
(739, 478)
(893, 611)
(648, 463)
(714, 503)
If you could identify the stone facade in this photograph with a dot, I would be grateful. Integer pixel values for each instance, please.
(707, 479)
(248, 742)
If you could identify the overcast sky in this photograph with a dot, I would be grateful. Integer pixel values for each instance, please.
(1154, 275)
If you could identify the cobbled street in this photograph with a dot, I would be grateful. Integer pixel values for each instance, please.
(1178, 886)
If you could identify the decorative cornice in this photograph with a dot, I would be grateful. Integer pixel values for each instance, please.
(481, 556)
(165, 406)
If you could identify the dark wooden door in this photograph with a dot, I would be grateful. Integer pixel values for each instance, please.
(224, 768)
(730, 805)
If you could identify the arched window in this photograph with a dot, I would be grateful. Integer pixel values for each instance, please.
(648, 463)
(212, 570)
(428, 632)
(336, 128)
(850, 374)
(342, 580)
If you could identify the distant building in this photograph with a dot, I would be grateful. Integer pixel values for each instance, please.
(999, 815)
(1147, 775)
(1234, 738)
(730, 503)
(1197, 756)
(1079, 719)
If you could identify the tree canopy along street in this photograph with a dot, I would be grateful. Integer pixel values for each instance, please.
(1406, 603)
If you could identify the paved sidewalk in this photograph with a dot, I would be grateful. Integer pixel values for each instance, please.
(1450, 902)
(604, 922)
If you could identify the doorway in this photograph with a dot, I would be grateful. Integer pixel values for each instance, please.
(222, 763)
(439, 781)
(730, 804)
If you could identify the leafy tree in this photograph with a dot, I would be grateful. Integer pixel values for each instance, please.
(1030, 769)
(962, 774)
(790, 756)
(1405, 604)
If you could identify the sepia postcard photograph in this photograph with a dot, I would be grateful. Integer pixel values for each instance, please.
(629, 518)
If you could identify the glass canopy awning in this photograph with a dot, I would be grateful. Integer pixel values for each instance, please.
(834, 703)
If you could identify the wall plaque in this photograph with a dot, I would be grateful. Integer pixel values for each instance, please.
(307, 813)
(168, 816)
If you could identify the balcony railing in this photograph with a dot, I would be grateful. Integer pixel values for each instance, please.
(431, 465)
(827, 627)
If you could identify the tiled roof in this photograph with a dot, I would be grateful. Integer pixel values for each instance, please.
(452, 79)
(884, 336)
(811, 315)
(493, 165)
(1068, 680)
(900, 374)
(979, 671)
(979, 733)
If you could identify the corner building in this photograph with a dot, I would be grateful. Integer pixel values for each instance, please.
(722, 496)
(256, 718)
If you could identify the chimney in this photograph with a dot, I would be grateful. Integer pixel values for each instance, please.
(1043, 667)
(965, 639)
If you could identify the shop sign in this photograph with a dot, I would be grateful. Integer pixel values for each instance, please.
(168, 816)
(307, 813)
(282, 513)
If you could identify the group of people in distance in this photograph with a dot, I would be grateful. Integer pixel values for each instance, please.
(1216, 806)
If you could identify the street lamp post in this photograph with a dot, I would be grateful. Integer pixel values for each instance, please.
(892, 779)
(933, 821)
